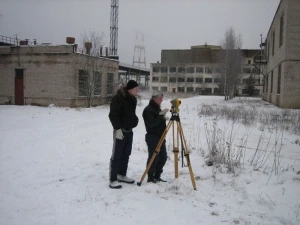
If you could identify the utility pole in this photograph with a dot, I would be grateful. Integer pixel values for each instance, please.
(114, 13)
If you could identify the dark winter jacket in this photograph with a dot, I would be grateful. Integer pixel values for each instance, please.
(122, 110)
(155, 124)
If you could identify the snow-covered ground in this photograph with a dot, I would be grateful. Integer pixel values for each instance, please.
(54, 170)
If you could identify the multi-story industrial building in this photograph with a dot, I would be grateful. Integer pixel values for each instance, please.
(197, 70)
(282, 48)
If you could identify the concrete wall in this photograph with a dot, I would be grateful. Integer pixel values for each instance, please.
(286, 55)
(50, 75)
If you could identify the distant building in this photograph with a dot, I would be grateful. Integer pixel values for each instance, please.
(196, 70)
(282, 71)
(50, 74)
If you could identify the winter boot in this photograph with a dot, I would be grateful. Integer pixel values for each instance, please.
(125, 179)
(151, 178)
(157, 177)
(115, 185)
(161, 180)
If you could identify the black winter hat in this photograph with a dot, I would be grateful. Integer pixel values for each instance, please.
(131, 84)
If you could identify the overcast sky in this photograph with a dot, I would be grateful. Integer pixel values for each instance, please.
(166, 24)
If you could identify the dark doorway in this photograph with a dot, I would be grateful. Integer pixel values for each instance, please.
(19, 86)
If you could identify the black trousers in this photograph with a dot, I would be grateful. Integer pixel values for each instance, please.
(120, 155)
(156, 168)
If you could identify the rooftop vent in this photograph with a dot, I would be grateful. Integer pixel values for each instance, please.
(70, 40)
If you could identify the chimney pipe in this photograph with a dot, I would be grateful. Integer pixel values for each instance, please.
(70, 40)
(106, 51)
(101, 48)
(75, 47)
(88, 46)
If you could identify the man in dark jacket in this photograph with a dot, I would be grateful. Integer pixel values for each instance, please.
(155, 123)
(123, 118)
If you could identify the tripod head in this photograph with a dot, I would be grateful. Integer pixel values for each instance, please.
(175, 103)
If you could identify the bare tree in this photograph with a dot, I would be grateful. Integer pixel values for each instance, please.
(93, 68)
(230, 60)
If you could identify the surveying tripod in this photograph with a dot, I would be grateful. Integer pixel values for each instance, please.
(179, 134)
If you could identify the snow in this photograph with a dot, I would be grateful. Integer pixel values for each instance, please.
(54, 166)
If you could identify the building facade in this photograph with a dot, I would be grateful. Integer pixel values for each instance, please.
(59, 75)
(197, 70)
(282, 71)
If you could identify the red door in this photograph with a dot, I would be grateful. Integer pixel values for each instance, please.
(19, 87)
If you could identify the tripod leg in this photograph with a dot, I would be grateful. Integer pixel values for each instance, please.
(175, 150)
(157, 149)
(186, 154)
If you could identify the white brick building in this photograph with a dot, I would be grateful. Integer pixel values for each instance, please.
(43, 75)
(196, 70)
(282, 72)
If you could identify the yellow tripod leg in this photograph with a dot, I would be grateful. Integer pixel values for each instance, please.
(186, 154)
(156, 151)
(176, 151)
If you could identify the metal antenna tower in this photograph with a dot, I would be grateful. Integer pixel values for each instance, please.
(139, 52)
(114, 12)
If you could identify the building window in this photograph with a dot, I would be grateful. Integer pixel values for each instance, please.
(173, 70)
(256, 70)
(218, 70)
(190, 79)
(208, 80)
(279, 79)
(198, 90)
(246, 70)
(199, 80)
(164, 69)
(273, 42)
(245, 81)
(155, 88)
(249, 61)
(189, 89)
(155, 79)
(97, 82)
(163, 79)
(208, 70)
(110, 83)
(217, 91)
(267, 84)
(83, 82)
(271, 91)
(199, 69)
(155, 69)
(164, 89)
(190, 70)
(172, 79)
(268, 50)
(216, 80)
(180, 89)
(281, 31)
(207, 91)
(181, 70)
(180, 79)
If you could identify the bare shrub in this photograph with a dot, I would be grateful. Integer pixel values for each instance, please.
(286, 119)
(221, 148)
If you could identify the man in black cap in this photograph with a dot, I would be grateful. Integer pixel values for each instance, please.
(123, 118)
(155, 123)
